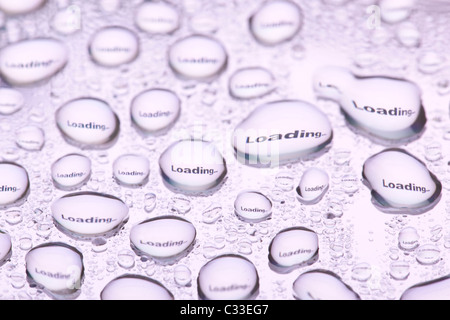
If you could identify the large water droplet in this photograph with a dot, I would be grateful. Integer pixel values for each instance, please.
(135, 287)
(197, 57)
(322, 285)
(131, 169)
(281, 132)
(313, 186)
(157, 17)
(88, 123)
(155, 111)
(192, 166)
(20, 6)
(11, 101)
(165, 239)
(276, 22)
(252, 206)
(436, 289)
(292, 248)
(14, 184)
(114, 46)
(228, 277)
(386, 110)
(71, 171)
(401, 183)
(249, 83)
(57, 268)
(5, 247)
(32, 61)
(86, 215)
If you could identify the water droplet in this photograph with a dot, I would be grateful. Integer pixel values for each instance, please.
(436, 289)
(71, 171)
(25, 241)
(5, 247)
(322, 285)
(204, 22)
(125, 259)
(149, 202)
(192, 166)
(20, 6)
(165, 239)
(114, 46)
(386, 110)
(89, 214)
(250, 83)
(399, 270)
(155, 111)
(408, 35)
(32, 61)
(14, 184)
(180, 204)
(428, 254)
(11, 101)
(30, 138)
(157, 17)
(135, 287)
(67, 21)
(131, 170)
(431, 62)
(396, 11)
(13, 216)
(211, 214)
(88, 123)
(197, 57)
(281, 132)
(313, 186)
(57, 268)
(182, 275)
(362, 272)
(292, 248)
(394, 188)
(408, 238)
(18, 280)
(228, 277)
(252, 206)
(276, 22)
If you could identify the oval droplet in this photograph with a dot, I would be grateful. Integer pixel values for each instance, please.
(157, 17)
(114, 46)
(252, 206)
(386, 110)
(428, 254)
(436, 289)
(88, 123)
(5, 247)
(396, 11)
(250, 83)
(399, 270)
(281, 132)
(86, 215)
(71, 171)
(57, 268)
(155, 111)
(166, 239)
(408, 238)
(30, 138)
(30, 62)
(197, 57)
(322, 285)
(276, 22)
(192, 166)
(20, 6)
(228, 277)
(14, 184)
(292, 248)
(313, 186)
(67, 21)
(135, 287)
(401, 183)
(11, 101)
(131, 169)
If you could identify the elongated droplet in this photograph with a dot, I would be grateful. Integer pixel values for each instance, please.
(192, 166)
(114, 46)
(71, 171)
(30, 62)
(252, 206)
(155, 111)
(281, 132)
(5, 247)
(437, 289)
(322, 285)
(228, 277)
(131, 169)
(14, 184)
(293, 248)
(276, 22)
(250, 83)
(157, 17)
(88, 214)
(135, 287)
(165, 239)
(57, 268)
(88, 123)
(20, 6)
(11, 101)
(386, 110)
(30, 138)
(401, 183)
(313, 186)
(197, 57)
